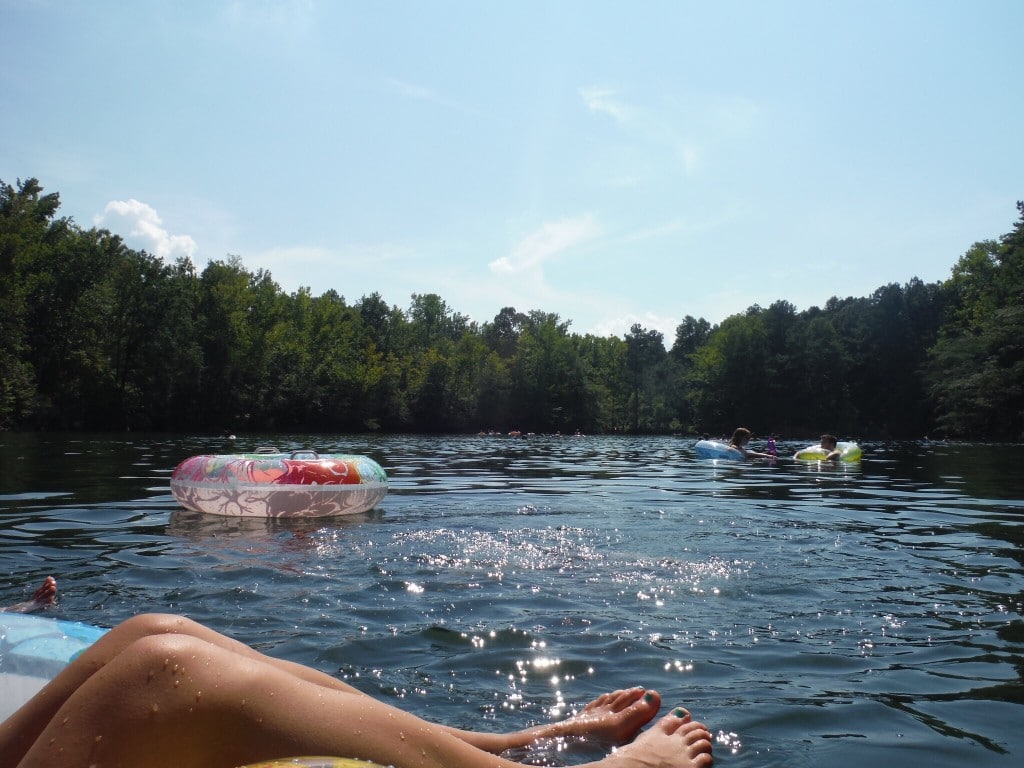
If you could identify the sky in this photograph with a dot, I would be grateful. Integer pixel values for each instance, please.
(613, 163)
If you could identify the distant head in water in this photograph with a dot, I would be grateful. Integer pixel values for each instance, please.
(741, 437)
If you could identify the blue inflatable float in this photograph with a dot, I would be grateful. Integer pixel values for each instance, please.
(33, 649)
(715, 449)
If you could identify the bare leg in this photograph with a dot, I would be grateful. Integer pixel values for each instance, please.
(43, 597)
(174, 700)
(22, 728)
(614, 717)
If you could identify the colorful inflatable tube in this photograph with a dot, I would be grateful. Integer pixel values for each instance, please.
(298, 484)
(847, 452)
(715, 449)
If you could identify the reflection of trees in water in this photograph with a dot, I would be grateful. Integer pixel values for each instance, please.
(1010, 532)
(976, 470)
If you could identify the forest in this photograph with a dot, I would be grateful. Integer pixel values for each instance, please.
(100, 337)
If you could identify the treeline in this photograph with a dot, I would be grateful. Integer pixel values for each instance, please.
(97, 336)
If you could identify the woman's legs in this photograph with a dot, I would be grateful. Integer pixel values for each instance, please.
(22, 728)
(615, 717)
(176, 700)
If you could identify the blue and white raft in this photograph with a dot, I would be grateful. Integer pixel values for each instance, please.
(715, 449)
(33, 649)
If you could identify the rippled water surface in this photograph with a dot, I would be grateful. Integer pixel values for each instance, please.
(810, 615)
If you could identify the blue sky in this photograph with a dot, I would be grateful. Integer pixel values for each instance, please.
(613, 163)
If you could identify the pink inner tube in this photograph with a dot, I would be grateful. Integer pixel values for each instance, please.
(300, 484)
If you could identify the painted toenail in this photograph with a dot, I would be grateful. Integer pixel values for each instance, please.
(679, 712)
(648, 697)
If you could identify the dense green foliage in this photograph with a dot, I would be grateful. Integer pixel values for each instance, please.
(99, 336)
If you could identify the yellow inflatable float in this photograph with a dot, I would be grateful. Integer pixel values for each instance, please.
(847, 452)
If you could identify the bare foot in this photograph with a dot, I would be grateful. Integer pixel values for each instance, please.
(614, 717)
(675, 741)
(43, 597)
(47, 592)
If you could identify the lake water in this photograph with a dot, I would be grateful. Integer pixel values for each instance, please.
(811, 616)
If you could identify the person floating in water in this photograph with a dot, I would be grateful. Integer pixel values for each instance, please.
(770, 447)
(828, 444)
(42, 598)
(161, 690)
(739, 441)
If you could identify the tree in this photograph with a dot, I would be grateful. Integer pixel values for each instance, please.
(434, 320)
(27, 231)
(154, 358)
(727, 384)
(975, 370)
(691, 335)
(817, 395)
(237, 310)
(604, 404)
(502, 334)
(645, 353)
(545, 376)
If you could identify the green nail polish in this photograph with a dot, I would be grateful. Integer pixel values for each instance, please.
(679, 712)
(648, 697)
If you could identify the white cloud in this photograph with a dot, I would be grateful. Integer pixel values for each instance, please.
(654, 132)
(294, 267)
(143, 226)
(690, 157)
(620, 326)
(280, 20)
(602, 100)
(352, 270)
(425, 94)
(551, 240)
(414, 91)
